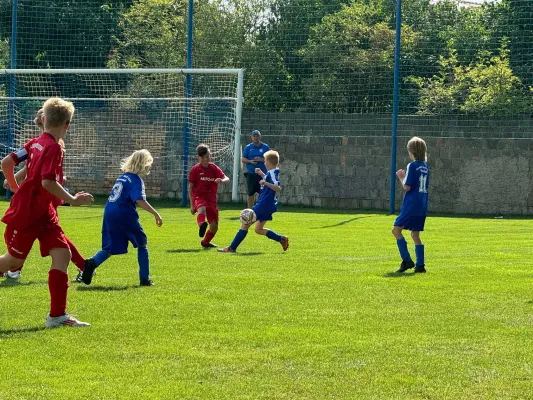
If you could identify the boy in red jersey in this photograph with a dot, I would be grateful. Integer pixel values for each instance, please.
(32, 213)
(204, 179)
(77, 259)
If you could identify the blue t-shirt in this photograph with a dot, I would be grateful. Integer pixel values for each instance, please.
(415, 202)
(267, 202)
(127, 190)
(251, 151)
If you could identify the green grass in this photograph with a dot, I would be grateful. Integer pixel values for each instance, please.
(325, 320)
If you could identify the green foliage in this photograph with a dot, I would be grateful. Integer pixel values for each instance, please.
(487, 86)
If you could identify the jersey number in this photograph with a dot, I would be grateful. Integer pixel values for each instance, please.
(423, 187)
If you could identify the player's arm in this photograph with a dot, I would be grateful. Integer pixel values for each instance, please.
(147, 207)
(8, 168)
(275, 188)
(224, 179)
(189, 193)
(79, 199)
(402, 176)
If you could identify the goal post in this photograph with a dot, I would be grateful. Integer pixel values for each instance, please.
(121, 110)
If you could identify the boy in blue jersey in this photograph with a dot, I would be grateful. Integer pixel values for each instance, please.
(253, 157)
(267, 204)
(121, 221)
(415, 181)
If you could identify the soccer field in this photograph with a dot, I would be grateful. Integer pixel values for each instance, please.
(325, 320)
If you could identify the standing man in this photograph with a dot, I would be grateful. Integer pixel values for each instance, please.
(253, 157)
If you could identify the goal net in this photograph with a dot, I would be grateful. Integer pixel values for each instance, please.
(167, 111)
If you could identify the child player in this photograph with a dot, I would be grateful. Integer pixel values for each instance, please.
(32, 214)
(77, 259)
(121, 221)
(204, 179)
(267, 204)
(415, 181)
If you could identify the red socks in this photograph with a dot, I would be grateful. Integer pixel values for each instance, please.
(200, 219)
(58, 286)
(208, 237)
(77, 259)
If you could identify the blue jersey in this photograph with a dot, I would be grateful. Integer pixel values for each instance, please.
(127, 190)
(415, 202)
(267, 202)
(251, 151)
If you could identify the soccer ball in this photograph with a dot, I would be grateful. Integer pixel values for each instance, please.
(247, 216)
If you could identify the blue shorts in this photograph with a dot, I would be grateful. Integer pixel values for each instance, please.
(116, 233)
(262, 214)
(410, 223)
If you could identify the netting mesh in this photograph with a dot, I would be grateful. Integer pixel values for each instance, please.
(119, 113)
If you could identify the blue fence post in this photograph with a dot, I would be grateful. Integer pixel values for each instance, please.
(12, 83)
(395, 105)
(188, 90)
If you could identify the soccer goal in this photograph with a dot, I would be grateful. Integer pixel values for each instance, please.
(167, 111)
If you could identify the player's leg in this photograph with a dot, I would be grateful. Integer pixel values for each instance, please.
(8, 262)
(419, 251)
(18, 245)
(261, 230)
(407, 262)
(201, 218)
(237, 240)
(212, 217)
(113, 242)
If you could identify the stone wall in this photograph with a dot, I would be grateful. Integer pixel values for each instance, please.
(477, 166)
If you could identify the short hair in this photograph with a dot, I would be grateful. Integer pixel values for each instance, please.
(138, 163)
(38, 120)
(202, 150)
(272, 157)
(256, 132)
(417, 147)
(57, 112)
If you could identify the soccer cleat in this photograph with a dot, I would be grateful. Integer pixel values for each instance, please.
(79, 279)
(420, 269)
(88, 271)
(203, 228)
(208, 245)
(405, 265)
(226, 250)
(13, 275)
(284, 243)
(146, 282)
(64, 320)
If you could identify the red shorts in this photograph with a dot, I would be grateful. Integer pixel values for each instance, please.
(211, 210)
(20, 241)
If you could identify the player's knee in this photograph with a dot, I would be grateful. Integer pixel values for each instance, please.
(259, 229)
(415, 235)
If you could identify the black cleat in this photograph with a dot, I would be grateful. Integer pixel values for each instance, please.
(420, 269)
(88, 271)
(208, 245)
(146, 282)
(405, 265)
(203, 228)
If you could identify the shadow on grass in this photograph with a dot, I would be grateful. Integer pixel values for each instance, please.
(105, 288)
(249, 253)
(185, 250)
(341, 223)
(398, 275)
(14, 331)
(15, 282)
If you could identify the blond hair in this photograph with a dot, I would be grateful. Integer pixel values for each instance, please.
(417, 147)
(272, 157)
(38, 120)
(138, 163)
(57, 112)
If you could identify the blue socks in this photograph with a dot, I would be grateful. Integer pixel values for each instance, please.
(273, 235)
(144, 263)
(402, 247)
(419, 251)
(237, 240)
(100, 257)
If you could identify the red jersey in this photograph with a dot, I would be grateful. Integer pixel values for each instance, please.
(203, 180)
(33, 204)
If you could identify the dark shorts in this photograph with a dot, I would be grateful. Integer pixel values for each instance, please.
(262, 215)
(252, 183)
(116, 234)
(410, 223)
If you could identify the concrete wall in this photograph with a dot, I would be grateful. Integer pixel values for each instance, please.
(477, 166)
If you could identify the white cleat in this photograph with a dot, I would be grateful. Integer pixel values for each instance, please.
(64, 320)
(13, 275)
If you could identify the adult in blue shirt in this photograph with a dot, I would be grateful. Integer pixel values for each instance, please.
(252, 158)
